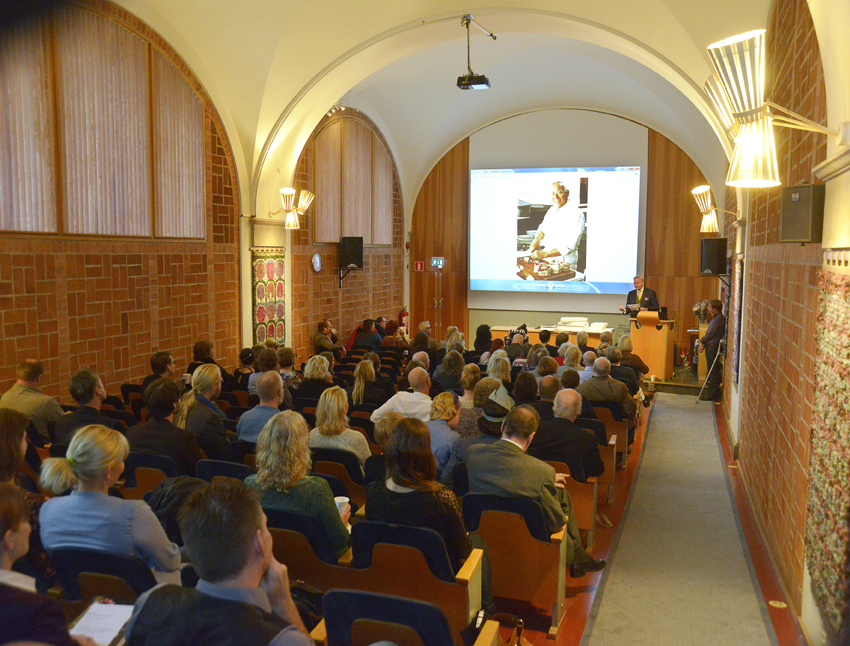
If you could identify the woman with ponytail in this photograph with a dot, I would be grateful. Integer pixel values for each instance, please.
(364, 390)
(198, 412)
(89, 517)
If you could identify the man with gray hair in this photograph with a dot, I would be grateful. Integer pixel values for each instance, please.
(270, 390)
(589, 358)
(560, 441)
(88, 391)
(410, 404)
(602, 388)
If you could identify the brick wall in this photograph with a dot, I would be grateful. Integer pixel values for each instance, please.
(781, 306)
(377, 291)
(108, 304)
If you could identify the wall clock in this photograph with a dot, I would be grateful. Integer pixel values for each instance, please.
(317, 262)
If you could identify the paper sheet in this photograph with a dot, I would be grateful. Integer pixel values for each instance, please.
(102, 622)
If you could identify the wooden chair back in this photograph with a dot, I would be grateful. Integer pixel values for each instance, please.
(356, 492)
(612, 428)
(147, 479)
(583, 497)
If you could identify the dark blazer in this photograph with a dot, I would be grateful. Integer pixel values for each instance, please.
(226, 376)
(552, 350)
(205, 422)
(313, 388)
(83, 416)
(161, 437)
(559, 440)
(26, 616)
(371, 395)
(627, 375)
(650, 299)
(544, 409)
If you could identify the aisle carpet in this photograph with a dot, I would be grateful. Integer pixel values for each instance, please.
(680, 572)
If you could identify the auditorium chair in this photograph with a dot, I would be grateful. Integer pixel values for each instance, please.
(128, 419)
(114, 402)
(142, 473)
(528, 564)
(240, 448)
(235, 412)
(86, 574)
(209, 469)
(613, 427)
(345, 466)
(583, 497)
(301, 403)
(129, 392)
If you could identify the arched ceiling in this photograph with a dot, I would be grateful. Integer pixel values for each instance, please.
(274, 68)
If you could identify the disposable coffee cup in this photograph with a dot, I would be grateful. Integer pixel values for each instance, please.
(341, 503)
(186, 378)
(652, 378)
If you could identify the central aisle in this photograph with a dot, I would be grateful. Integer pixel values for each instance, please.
(681, 574)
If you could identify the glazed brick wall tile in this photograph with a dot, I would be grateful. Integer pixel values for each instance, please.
(377, 291)
(781, 305)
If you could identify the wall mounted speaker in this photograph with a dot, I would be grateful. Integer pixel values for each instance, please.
(802, 213)
(712, 257)
(351, 253)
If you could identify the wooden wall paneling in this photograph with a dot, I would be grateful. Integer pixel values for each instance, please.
(104, 108)
(357, 180)
(328, 202)
(422, 297)
(454, 310)
(178, 137)
(382, 194)
(27, 156)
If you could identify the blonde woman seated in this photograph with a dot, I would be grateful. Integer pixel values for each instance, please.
(449, 332)
(445, 415)
(572, 360)
(497, 354)
(198, 412)
(469, 378)
(375, 469)
(92, 519)
(283, 465)
(317, 378)
(364, 390)
(332, 430)
(501, 369)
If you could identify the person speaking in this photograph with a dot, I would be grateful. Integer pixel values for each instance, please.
(642, 296)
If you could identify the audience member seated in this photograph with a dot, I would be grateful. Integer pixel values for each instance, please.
(88, 391)
(419, 360)
(588, 358)
(546, 366)
(24, 615)
(495, 409)
(92, 519)
(517, 347)
(332, 430)
(503, 469)
(158, 435)
(468, 425)
(622, 373)
(606, 337)
(270, 389)
(629, 357)
(456, 342)
(483, 338)
(600, 349)
(381, 326)
(445, 415)
(257, 349)
(247, 359)
(199, 414)
(25, 396)
(317, 378)
(572, 360)
(364, 390)
(602, 388)
(411, 495)
(375, 468)
(528, 362)
(497, 344)
(571, 379)
(469, 378)
(243, 593)
(581, 342)
(548, 388)
(500, 369)
(286, 363)
(267, 361)
(13, 448)
(525, 388)
(425, 328)
(162, 367)
(558, 440)
(410, 404)
(449, 371)
(545, 335)
(283, 465)
(561, 338)
(394, 338)
(369, 336)
(325, 339)
(202, 353)
(496, 354)
(420, 343)
(445, 342)
(383, 382)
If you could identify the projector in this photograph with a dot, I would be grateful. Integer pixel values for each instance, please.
(473, 82)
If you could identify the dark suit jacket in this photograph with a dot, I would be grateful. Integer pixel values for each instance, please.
(205, 422)
(627, 375)
(559, 441)
(650, 299)
(544, 409)
(502, 469)
(161, 437)
(26, 616)
(83, 416)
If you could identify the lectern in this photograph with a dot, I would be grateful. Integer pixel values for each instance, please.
(652, 339)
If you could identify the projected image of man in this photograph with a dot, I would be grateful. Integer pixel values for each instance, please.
(561, 230)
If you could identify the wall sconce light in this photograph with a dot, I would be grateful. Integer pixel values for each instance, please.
(739, 65)
(702, 195)
(287, 197)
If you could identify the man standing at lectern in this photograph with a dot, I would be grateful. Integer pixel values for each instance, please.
(643, 295)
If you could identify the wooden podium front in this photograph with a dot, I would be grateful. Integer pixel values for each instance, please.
(653, 345)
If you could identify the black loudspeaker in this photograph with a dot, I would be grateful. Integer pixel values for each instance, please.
(802, 213)
(351, 253)
(712, 257)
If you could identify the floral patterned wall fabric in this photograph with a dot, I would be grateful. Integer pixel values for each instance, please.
(829, 477)
(268, 265)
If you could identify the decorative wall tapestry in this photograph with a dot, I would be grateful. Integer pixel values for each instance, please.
(269, 289)
(734, 315)
(829, 475)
